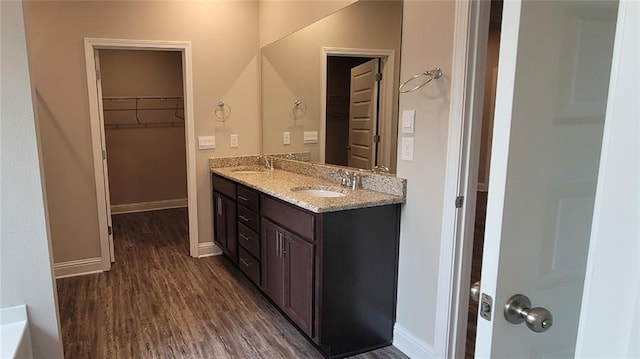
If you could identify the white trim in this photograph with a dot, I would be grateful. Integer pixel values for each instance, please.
(467, 85)
(78, 267)
(208, 249)
(386, 89)
(149, 206)
(410, 345)
(91, 44)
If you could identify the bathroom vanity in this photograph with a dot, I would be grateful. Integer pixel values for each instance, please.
(328, 263)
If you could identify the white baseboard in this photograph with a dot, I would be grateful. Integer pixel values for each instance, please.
(148, 206)
(411, 346)
(208, 249)
(79, 267)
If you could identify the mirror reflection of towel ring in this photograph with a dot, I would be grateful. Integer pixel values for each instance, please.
(298, 110)
(222, 112)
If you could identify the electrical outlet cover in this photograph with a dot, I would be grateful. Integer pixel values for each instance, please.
(233, 140)
(407, 149)
(286, 138)
(206, 142)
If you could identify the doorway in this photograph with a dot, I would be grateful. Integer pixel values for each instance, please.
(352, 111)
(162, 103)
(143, 113)
(371, 143)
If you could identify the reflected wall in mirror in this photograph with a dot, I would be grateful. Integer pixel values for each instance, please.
(320, 88)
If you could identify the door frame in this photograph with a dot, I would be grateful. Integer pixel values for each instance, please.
(471, 28)
(385, 104)
(97, 131)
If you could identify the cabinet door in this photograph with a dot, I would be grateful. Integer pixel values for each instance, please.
(219, 222)
(298, 295)
(232, 230)
(225, 226)
(272, 261)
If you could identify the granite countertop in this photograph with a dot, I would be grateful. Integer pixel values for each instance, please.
(278, 183)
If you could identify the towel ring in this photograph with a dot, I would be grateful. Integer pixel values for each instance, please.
(431, 75)
(298, 110)
(222, 112)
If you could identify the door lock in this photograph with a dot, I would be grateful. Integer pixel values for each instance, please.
(518, 309)
(486, 302)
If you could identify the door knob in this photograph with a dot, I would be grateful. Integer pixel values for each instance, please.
(475, 291)
(518, 309)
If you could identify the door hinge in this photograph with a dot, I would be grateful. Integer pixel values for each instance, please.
(459, 201)
(97, 74)
(378, 76)
(109, 230)
(376, 138)
(104, 154)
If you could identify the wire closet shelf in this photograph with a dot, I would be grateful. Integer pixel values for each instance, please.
(143, 112)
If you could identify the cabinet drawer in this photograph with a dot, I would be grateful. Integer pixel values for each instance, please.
(249, 240)
(224, 186)
(248, 218)
(249, 265)
(289, 217)
(248, 197)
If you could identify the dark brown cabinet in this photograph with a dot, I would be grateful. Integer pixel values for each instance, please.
(333, 274)
(237, 224)
(225, 226)
(288, 262)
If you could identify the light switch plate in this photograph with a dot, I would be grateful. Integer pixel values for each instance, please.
(408, 121)
(286, 138)
(233, 140)
(407, 149)
(206, 142)
(310, 136)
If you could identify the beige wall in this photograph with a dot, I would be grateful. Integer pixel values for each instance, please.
(145, 164)
(278, 18)
(427, 42)
(291, 68)
(224, 38)
(25, 257)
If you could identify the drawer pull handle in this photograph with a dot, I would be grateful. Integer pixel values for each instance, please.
(246, 219)
(244, 237)
(244, 261)
(243, 198)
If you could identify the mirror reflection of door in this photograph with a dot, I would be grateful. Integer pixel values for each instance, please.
(352, 108)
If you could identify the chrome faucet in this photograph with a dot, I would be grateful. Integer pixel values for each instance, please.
(380, 169)
(268, 161)
(349, 179)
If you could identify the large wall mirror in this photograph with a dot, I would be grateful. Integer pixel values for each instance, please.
(331, 87)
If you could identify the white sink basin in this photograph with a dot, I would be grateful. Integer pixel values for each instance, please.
(319, 192)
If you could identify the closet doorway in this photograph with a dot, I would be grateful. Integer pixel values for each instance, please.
(352, 111)
(142, 132)
(367, 138)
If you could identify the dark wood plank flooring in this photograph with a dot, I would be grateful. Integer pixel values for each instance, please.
(157, 302)
(476, 270)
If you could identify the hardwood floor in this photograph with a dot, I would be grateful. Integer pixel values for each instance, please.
(157, 302)
(476, 270)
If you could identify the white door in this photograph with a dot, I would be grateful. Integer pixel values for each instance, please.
(363, 108)
(554, 69)
(105, 168)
